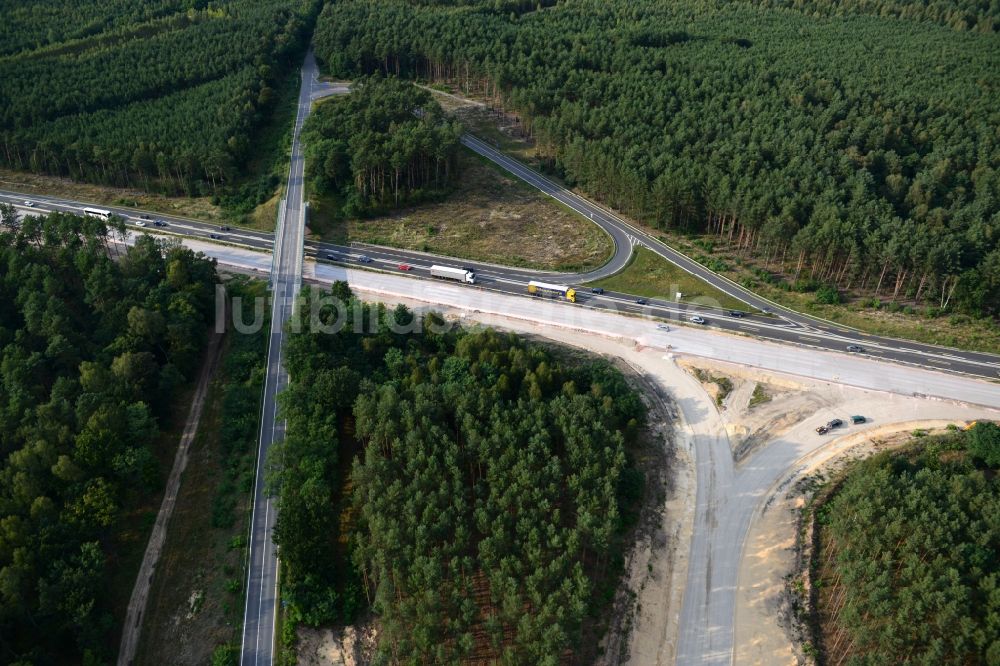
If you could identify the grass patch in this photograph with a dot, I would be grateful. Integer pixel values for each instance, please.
(491, 216)
(652, 276)
(759, 396)
(724, 384)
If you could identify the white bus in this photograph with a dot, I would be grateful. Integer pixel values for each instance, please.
(98, 212)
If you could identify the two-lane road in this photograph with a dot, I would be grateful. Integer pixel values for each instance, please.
(260, 613)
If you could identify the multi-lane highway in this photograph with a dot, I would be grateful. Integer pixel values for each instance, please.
(781, 325)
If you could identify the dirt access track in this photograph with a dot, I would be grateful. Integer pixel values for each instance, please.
(708, 590)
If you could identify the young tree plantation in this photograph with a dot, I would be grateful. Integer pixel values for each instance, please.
(469, 487)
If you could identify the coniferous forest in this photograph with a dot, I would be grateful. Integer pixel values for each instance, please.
(385, 144)
(851, 144)
(164, 95)
(905, 567)
(470, 488)
(95, 340)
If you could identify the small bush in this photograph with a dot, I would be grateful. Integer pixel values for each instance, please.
(806, 285)
(827, 295)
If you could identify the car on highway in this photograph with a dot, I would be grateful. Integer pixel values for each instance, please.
(144, 217)
(214, 236)
(225, 228)
(597, 290)
(822, 430)
(739, 314)
(159, 223)
(641, 301)
(836, 423)
(330, 257)
(405, 267)
(140, 223)
(698, 320)
(663, 327)
(29, 204)
(365, 259)
(855, 349)
(856, 419)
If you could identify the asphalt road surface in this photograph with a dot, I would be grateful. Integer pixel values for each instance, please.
(286, 279)
(763, 318)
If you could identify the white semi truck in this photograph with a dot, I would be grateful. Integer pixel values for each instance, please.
(448, 273)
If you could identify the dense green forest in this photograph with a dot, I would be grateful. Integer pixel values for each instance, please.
(978, 15)
(854, 151)
(371, 149)
(905, 564)
(166, 95)
(93, 347)
(469, 486)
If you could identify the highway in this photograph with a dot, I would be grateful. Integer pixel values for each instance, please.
(726, 495)
(260, 612)
(763, 319)
(780, 326)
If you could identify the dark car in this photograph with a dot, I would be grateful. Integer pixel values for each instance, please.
(365, 259)
(330, 256)
(836, 423)
(225, 228)
(215, 236)
(641, 301)
(159, 223)
(856, 420)
(736, 313)
(144, 217)
(856, 349)
(597, 290)
(822, 430)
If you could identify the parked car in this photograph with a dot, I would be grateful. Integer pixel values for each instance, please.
(836, 423)
(597, 290)
(822, 430)
(736, 313)
(641, 301)
(663, 327)
(855, 349)
(365, 259)
(858, 419)
(698, 320)
(405, 267)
